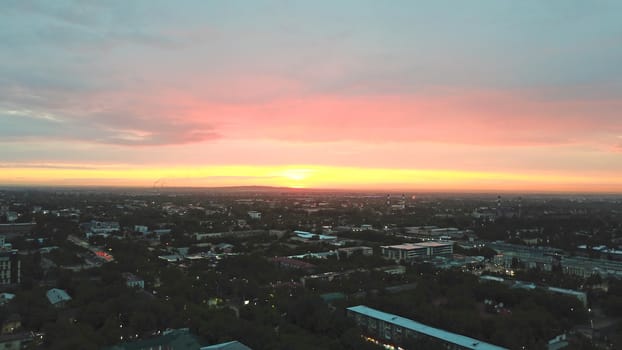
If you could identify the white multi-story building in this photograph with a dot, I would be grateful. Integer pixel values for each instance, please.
(410, 251)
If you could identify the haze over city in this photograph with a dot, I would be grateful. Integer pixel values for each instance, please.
(403, 95)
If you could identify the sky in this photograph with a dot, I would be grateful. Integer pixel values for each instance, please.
(484, 95)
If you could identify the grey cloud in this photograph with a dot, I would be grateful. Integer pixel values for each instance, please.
(19, 128)
(97, 25)
(45, 166)
(161, 138)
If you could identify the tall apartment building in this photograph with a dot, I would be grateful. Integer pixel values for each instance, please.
(10, 265)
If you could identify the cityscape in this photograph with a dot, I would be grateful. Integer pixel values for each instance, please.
(278, 268)
(310, 175)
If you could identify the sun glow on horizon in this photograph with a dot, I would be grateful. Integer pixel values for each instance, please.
(297, 174)
(308, 176)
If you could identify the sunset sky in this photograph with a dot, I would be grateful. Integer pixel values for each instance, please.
(394, 95)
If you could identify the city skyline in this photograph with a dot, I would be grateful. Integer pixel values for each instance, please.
(412, 95)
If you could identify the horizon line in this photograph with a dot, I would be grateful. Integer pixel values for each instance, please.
(309, 189)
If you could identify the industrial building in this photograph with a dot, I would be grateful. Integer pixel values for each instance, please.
(545, 258)
(586, 267)
(412, 251)
(542, 258)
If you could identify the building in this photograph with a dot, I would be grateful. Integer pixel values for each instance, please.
(391, 329)
(512, 256)
(12, 324)
(456, 261)
(133, 281)
(438, 248)
(484, 213)
(6, 297)
(11, 216)
(332, 297)
(231, 234)
(102, 228)
(582, 296)
(557, 343)
(545, 258)
(255, 215)
(312, 236)
(434, 232)
(57, 297)
(174, 339)
(10, 267)
(172, 258)
(412, 251)
(162, 231)
(290, 263)
(524, 285)
(16, 229)
(487, 278)
(141, 229)
(406, 251)
(348, 251)
(15, 341)
(317, 255)
(232, 345)
(224, 247)
(586, 267)
(392, 270)
(327, 276)
(47, 250)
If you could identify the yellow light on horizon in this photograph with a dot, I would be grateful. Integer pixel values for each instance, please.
(297, 174)
(307, 176)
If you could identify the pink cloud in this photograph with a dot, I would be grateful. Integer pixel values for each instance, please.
(485, 118)
(267, 107)
(482, 118)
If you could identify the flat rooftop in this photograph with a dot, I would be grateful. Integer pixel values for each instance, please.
(434, 244)
(453, 338)
(410, 246)
(405, 246)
